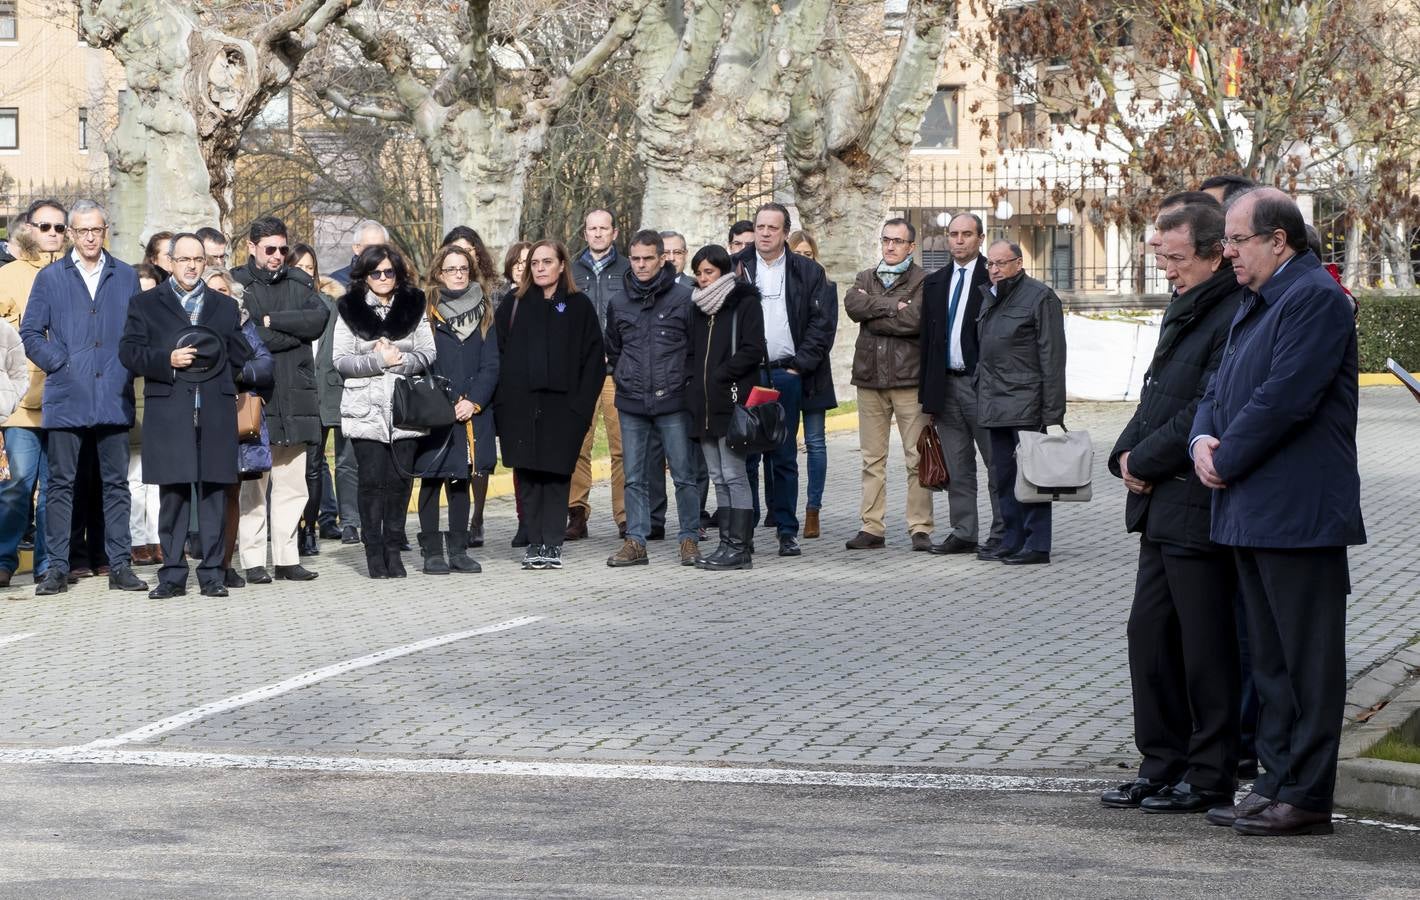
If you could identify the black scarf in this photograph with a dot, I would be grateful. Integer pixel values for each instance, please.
(406, 311)
(647, 291)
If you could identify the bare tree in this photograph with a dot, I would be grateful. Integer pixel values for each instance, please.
(850, 135)
(717, 78)
(484, 109)
(194, 84)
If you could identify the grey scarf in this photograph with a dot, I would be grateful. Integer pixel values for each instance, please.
(462, 311)
(710, 299)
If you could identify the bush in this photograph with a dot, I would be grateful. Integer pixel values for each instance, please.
(1388, 326)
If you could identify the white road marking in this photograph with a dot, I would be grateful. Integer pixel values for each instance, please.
(11, 638)
(182, 719)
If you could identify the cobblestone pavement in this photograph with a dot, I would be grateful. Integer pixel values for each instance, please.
(881, 658)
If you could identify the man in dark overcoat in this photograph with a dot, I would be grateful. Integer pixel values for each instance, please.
(185, 340)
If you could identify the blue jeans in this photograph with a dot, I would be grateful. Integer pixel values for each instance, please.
(784, 460)
(29, 465)
(816, 448)
(674, 432)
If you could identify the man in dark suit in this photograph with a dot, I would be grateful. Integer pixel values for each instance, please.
(951, 302)
(798, 332)
(186, 342)
(1275, 440)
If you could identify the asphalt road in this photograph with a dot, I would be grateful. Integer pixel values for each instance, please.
(79, 831)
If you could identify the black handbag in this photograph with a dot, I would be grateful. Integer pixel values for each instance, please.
(754, 429)
(421, 402)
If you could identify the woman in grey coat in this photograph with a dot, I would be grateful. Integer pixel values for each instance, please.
(381, 337)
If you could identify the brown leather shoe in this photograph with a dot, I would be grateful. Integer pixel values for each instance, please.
(1227, 815)
(811, 523)
(576, 523)
(689, 552)
(864, 541)
(156, 551)
(142, 556)
(630, 554)
(1279, 819)
(921, 541)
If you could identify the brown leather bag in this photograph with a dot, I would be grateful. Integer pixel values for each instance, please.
(248, 417)
(931, 462)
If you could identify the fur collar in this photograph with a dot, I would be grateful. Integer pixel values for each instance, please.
(407, 310)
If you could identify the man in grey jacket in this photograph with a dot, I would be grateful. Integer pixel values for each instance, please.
(1020, 384)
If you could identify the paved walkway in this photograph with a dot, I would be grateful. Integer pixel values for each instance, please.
(834, 658)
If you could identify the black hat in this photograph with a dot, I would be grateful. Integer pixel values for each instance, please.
(211, 350)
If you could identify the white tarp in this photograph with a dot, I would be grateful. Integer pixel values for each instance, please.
(1106, 360)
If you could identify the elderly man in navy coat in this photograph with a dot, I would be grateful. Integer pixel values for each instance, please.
(186, 341)
(1275, 439)
(77, 305)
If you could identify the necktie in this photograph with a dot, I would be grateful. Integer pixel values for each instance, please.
(952, 310)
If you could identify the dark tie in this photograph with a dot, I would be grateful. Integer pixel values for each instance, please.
(952, 310)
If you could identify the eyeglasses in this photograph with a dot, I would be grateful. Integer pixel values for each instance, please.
(381, 275)
(1239, 239)
(47, 227)
(895, 242)
(454, 270)
(1001, 263)
(91, 232)
(189, 260)
(272, 251)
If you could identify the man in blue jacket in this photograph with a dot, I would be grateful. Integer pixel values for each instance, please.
(71, 328)
(1275, 439)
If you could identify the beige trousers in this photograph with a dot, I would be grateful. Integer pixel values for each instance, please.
(287, 479)
(876, 410)
(582, 478)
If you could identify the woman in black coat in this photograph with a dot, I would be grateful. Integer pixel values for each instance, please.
(454, 458)
(727, 343)
(552, 370)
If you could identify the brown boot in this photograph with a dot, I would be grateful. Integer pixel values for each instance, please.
(576, 523)
(141, 555)
(811, 523)
(157, 551)
(630, 554)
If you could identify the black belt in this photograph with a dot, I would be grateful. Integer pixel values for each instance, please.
(961, 373)
(781, 363)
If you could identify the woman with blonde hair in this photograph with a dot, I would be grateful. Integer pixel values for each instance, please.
(463, 455)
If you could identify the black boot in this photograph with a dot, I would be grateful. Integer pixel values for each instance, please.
(375, 552)
(394, 563)
(307, 544)
(520, 538)
(721, 550)
(459, 560)
(431, 546)
(480, 499)
(736, 539)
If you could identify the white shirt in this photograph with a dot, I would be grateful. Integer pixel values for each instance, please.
(769, 278)
(91, 279)
(955, 359)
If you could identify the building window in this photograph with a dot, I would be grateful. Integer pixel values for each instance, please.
(9, 129)
(939, 125)
(8, 21)
(83, 128)
(276, 115)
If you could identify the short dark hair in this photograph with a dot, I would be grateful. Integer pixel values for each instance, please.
(300, 250)
(370, 258)
(265, 227)
(1232, 185)
(598, 209)
(1015, 248)
(149, 271)
(510, 259)
(716, 256)
(903, 223)
(181, 235)
(208, 233)
(646, 237)
(461, 232)
(1183, 197)
(156, 244)
(1205, 224)
(740, 227)
(1314, 241)
(1276, 211)
(980, 225)
(772, 206)
(46, 203)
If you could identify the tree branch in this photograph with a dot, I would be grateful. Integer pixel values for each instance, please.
(392, 53)
(347, 106)
(694, 54)
(471, 73)
(302, 23)
(618, 32)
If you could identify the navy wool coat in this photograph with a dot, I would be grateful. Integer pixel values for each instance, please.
(471, 366)
(1283, 407)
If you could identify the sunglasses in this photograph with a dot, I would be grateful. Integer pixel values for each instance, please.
(47, 227)
(382, 275)
(272, 251)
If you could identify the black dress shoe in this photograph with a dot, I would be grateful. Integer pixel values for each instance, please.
(295, 573)
(1027, 558)
(658, 533)
(328, 531)
(788, 546)
(349, 535)
(997, 553)
(865, 541)
(166, 590)
(258, 575)
(404, 545)
(233, 580)
(53, 582)
(1227, 815)
(214, 590)
(1278, 819)
(1247, 769)
(1130, 794)
(953, 544)
(1185, 798)
(123, 579)
(307, 544)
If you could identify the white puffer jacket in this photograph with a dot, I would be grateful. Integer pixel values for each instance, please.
(14, 370)
(365, 405)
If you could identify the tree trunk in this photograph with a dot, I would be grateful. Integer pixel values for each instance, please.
(691, 197)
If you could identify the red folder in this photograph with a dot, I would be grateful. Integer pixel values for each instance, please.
(759, 395)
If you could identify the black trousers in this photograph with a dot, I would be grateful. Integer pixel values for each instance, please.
(1183, 665)
(86, 525)
(385, 486)
(456, 489)
(1296, 626)
(174, 512)
(544, 497)
(64, 445)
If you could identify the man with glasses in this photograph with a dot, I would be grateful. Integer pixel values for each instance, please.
(1020, 385)
(289, 316)
(37, 240)
(886, 302)
(1274, 439)
(76, 312)
(951, 302)
(214, 247)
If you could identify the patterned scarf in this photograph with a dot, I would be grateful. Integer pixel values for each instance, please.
(710, 299)
(888, 275)
(462, 311)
